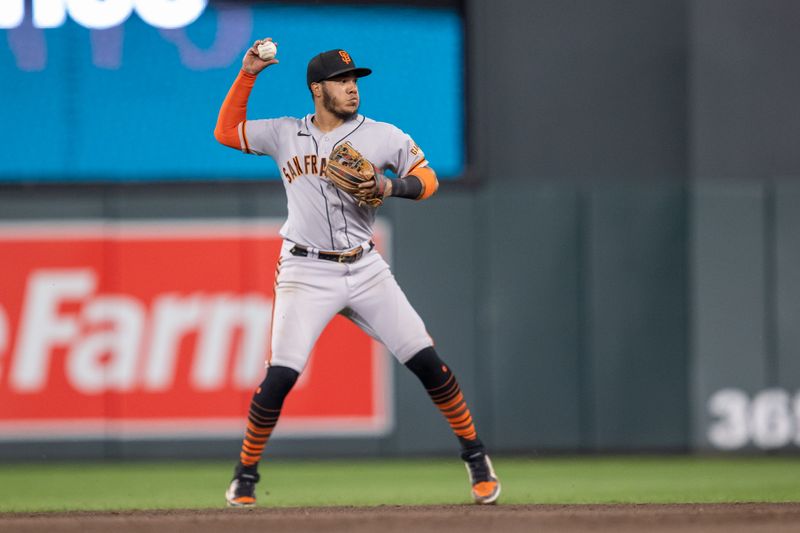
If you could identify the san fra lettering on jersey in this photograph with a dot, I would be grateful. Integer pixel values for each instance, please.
(312, 165)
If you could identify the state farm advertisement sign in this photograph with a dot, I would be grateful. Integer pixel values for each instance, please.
(161, 329)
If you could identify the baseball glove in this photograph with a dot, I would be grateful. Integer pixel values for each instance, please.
(347, 169)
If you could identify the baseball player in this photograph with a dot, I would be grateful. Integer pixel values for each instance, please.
(328, 263)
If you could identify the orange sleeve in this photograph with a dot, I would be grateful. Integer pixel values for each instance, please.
(429, 182)
(234, 111)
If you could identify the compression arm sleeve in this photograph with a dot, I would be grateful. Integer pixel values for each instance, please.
(234, 111)
(420, 184)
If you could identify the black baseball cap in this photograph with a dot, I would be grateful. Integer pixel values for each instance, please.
(331, 64)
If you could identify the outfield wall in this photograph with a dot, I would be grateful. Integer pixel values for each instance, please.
(620, 317)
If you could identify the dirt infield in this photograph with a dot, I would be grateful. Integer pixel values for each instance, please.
(727, 518)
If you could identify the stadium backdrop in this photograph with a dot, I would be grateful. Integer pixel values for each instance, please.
(112, 91)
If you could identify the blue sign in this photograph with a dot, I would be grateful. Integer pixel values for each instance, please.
(138, 101)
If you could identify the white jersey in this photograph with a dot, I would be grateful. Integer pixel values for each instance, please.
(320, 215)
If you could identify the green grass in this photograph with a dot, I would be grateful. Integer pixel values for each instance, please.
(83, 486)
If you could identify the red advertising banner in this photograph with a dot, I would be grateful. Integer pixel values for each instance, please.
(161, 329)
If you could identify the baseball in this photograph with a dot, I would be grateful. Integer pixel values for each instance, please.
(267, 50)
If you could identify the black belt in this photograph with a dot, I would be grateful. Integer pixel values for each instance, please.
(350, 256)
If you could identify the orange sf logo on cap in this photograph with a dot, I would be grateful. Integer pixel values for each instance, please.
(345, 57)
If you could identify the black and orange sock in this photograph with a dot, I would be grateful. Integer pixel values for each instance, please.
(265, 409)
(445, 392)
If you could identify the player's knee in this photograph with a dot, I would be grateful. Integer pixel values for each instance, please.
(279, 381)
(424, 359)
(429, 368)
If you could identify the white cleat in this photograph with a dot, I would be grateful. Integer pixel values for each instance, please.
(242, 491)
(485, 485)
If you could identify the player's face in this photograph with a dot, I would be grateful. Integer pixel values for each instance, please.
(340, 96)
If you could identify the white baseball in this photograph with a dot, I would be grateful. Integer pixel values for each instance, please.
(267, 50)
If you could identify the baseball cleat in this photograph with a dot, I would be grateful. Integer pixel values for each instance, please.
(485, 485)
(242, 490)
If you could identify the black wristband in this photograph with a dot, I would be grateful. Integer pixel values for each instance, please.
(408, 187)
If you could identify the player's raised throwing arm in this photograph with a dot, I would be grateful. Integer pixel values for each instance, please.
(233, 113)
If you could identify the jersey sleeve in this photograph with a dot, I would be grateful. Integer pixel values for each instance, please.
(260, 136)
(409, 160)
(234, 130)
(407, 156)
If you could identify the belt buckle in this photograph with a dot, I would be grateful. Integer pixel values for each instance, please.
(352, 256)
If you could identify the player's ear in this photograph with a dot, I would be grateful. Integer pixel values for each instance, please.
(316, 89)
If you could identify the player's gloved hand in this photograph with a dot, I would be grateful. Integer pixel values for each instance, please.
(379, 187)
(251, 63)
(351, 172)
